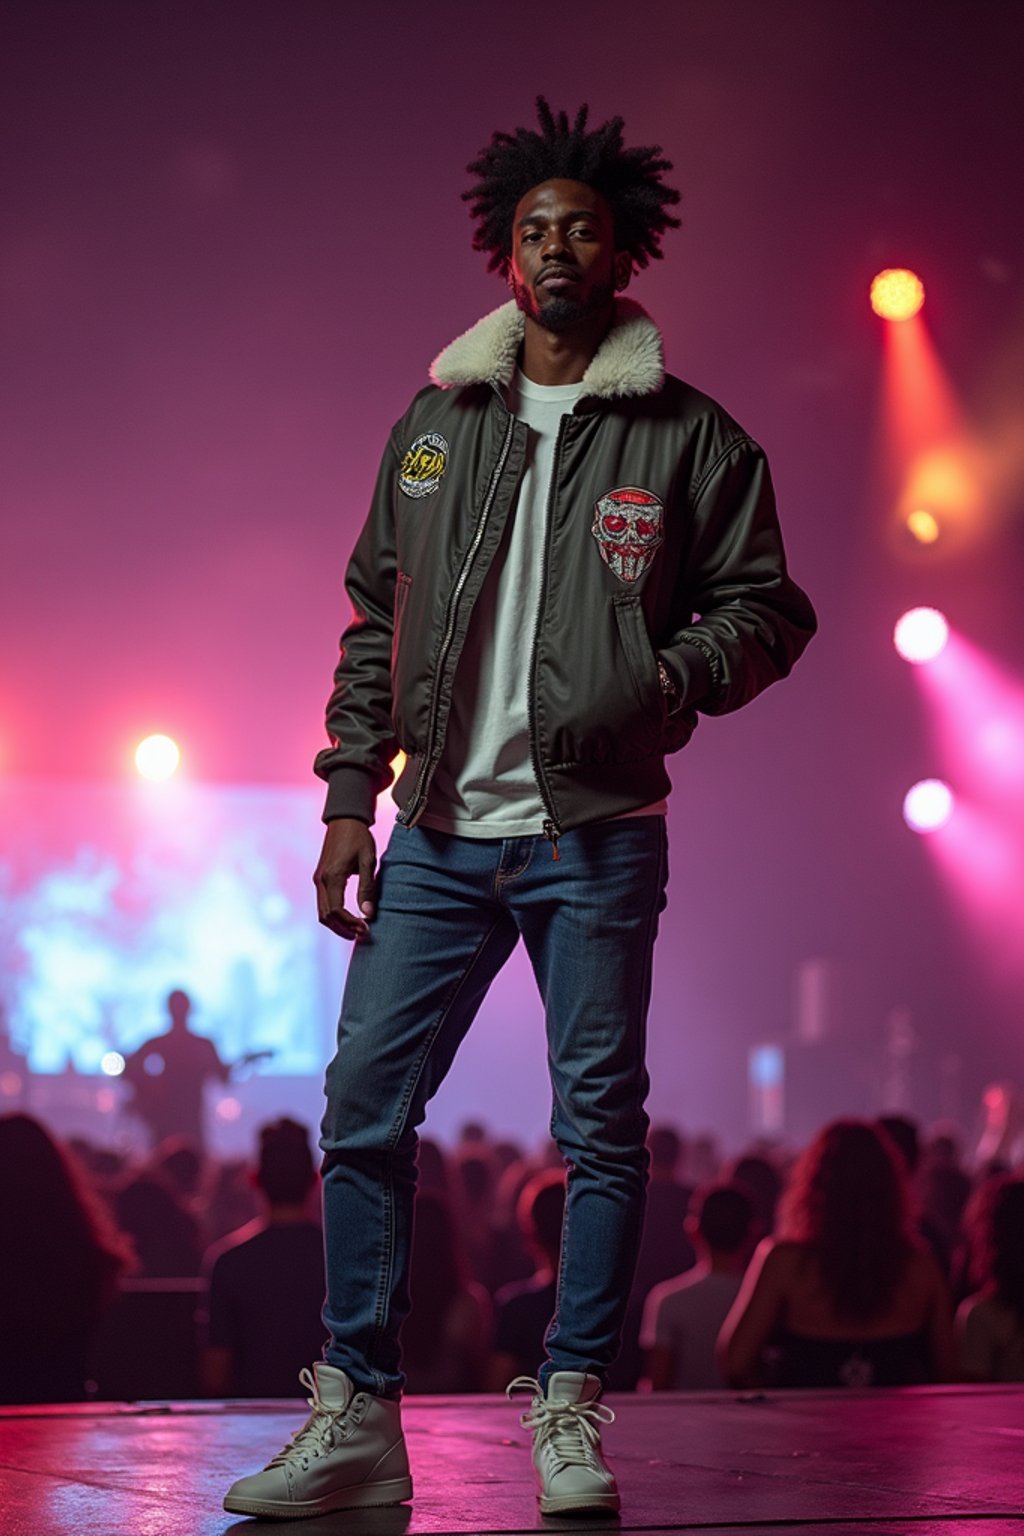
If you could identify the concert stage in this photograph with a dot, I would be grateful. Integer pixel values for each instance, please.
(942, 1459)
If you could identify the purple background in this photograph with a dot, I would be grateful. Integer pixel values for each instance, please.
(232, 242)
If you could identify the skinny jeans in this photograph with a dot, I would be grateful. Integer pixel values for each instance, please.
(450, 910)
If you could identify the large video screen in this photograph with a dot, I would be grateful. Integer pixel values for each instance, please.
(112, 895)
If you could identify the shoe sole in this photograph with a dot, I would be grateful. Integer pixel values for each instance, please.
(580, 1504)
(363, 1496)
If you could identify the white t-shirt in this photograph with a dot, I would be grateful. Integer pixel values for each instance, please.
(686, 1316)
(484, 784)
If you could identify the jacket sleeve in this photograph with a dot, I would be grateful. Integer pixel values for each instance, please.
(356, 766)
(754, 621)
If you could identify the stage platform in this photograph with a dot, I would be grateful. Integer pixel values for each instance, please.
(891, 1463)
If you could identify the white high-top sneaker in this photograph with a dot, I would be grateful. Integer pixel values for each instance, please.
(566, 1424)
(349, 1454)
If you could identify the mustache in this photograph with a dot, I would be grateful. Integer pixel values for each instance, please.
(557, 271)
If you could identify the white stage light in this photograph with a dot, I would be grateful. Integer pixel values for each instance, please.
(921, 635)
(928, 805)
(157, 757)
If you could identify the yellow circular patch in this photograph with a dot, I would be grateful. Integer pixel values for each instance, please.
(424, 465)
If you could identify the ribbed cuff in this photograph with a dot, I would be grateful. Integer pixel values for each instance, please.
(698, 679)
(350, 793)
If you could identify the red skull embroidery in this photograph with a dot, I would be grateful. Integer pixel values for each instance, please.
(628, 526)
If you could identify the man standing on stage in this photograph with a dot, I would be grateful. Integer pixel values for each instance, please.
(168, 1073)
(550, 515)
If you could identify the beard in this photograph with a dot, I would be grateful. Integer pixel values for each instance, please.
(560, 314)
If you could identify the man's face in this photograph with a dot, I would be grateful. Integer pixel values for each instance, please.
(564, 266)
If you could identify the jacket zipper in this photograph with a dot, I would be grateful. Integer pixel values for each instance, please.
(552, 831)
(416, 804)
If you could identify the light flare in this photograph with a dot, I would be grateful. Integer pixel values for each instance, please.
(952, 481)
(931, 472)
(157, 757)
(928, 805)
(921, 635)
(897, 294)
(983, 864)
(923, 525)
(977, 722)
(976, 711)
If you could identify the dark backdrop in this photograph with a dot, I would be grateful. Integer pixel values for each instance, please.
(232, 241)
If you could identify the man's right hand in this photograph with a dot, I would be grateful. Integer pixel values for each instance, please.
(348, 850)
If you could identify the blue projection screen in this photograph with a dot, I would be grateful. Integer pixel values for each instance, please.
(113, 894)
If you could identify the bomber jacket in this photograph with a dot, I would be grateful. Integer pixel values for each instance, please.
(661, 545)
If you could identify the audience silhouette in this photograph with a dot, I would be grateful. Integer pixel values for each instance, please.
(905, 1137)
(990, 1322)
(446, 1334)
(61, 1261)
(847, 1296)
(266, 1284)
(845, 1291)
(665, 1247)
(165, 1236)
(523, 1309)
(683, 1316)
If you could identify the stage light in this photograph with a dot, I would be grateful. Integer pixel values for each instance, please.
(106, 1101)
(923, 525)
(157, 757)
(928, 805)
(767, 1065)
(10, 1085)
(921, 635)
(112, 1064)
(228, 1109)
(897, 294)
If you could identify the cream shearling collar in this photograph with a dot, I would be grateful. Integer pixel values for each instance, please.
(630, 360)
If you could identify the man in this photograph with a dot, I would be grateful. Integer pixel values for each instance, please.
(168, 1073)
(550, 514)
(683, 1316)
(266, 1279)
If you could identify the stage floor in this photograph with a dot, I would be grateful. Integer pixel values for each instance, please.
(892, 1463)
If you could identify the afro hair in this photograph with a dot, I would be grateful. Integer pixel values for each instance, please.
(628, 179)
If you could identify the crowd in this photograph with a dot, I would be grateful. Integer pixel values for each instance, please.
(871, 1258)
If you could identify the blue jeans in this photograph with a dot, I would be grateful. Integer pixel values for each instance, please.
(449, 913)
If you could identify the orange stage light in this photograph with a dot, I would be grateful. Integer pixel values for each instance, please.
(897, 294)
(924, 525)
(919, 406)
(931, 470)
(950, 480)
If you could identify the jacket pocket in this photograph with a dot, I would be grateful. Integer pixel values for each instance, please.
(640, 657)
(402, 585)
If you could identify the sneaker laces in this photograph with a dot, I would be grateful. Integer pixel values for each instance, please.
(570, 1431)
(317, 1435)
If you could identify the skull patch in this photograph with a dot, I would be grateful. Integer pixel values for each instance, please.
(629, 527)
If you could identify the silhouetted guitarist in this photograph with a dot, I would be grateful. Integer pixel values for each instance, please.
(167, 1075)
